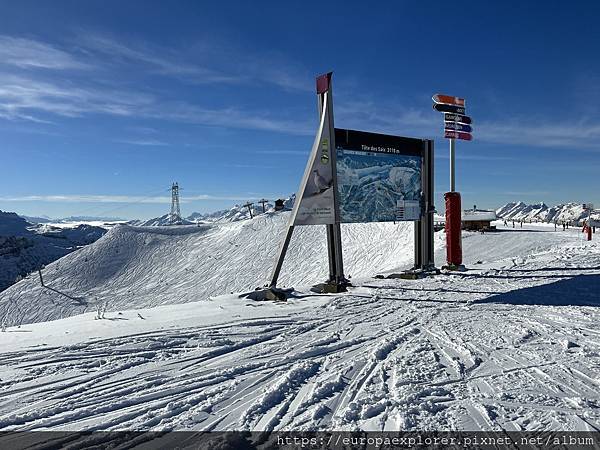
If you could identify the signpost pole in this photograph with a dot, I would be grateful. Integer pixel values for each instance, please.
(456, 126)
(452, 165)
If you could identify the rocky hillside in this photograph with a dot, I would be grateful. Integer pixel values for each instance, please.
(25, 247)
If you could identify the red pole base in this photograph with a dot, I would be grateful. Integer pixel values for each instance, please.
(453, 229)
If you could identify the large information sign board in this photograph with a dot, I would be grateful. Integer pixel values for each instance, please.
(378, 177)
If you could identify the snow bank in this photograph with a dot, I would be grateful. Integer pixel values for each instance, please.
(140, 267)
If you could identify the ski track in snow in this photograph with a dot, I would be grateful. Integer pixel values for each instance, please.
(512, 344)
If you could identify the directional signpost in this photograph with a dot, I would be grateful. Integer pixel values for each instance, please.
(448, 99)
(457, 125)
(457, 118)
(441, 107)
(449, 134)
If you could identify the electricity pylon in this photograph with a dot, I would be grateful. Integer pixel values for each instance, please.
(175, 217)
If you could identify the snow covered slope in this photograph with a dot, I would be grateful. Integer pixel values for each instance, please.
(512, 344)
(139, 267)
(540, 212)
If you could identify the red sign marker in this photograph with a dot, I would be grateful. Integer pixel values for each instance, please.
(451, 134)
(323, 82)
(448, 99)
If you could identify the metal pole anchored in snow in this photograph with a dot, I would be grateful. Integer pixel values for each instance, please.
(249, 206)
(263, 202)
(456, 126)
(452, 165)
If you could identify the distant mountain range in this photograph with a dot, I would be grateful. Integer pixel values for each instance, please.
(25, 247)
(540, 212)
(46, 219)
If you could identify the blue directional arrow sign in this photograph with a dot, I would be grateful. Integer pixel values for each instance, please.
(457, 126)
(457, 118)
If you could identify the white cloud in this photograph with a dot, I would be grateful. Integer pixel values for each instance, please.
(34, 95)
(21, 97)
(84, 198)
(526, 193)
(172, 64)
(143, 142)
(31, 54)
(581, 134)
(25, 98)
(284, 152)
(382, 118)
(202, 63)
(483, 157)
(228, 117)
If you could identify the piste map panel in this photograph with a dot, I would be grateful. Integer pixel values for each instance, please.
(378, 177)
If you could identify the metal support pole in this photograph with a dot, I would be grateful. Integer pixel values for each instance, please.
(334, 233)
(427, 219)
(339, 261)
(282, 252)
(335, 228)
(452, 165)
(418, 247)
(331, 247)
(331, 252)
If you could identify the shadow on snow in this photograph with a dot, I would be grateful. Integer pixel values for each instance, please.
(580, 290)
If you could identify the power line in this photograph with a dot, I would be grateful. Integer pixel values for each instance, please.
(128, 204)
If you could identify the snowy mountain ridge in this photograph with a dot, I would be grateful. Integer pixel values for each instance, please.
(235, 213)
(540, 212)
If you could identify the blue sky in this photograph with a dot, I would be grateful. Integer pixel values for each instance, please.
(104, 104)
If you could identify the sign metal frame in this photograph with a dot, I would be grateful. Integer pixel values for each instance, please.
(423, 247)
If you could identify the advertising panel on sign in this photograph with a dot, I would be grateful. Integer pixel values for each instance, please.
(378, 177)
(316, 196)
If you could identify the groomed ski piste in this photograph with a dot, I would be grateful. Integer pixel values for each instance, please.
(511, 344)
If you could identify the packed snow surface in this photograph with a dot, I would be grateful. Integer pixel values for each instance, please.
(511, 344)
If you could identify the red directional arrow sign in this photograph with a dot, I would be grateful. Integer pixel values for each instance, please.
(451, 134)
(448, 99)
